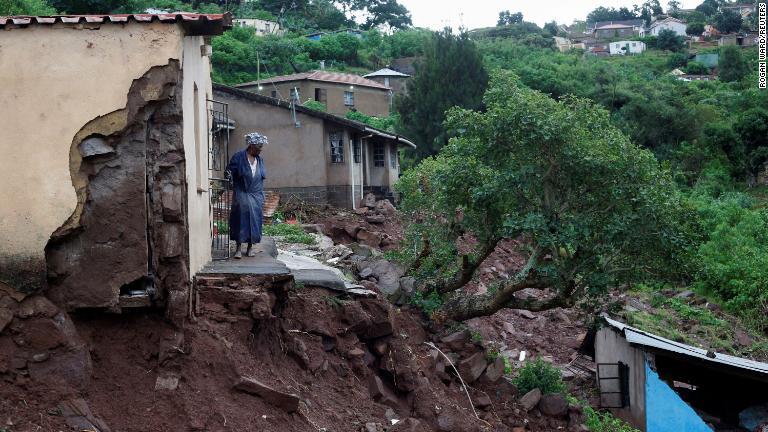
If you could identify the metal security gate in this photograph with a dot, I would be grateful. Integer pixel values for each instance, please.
(613, 384)
(219, 188)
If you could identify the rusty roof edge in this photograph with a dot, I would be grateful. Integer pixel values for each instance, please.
(187, 18)
(362, 127)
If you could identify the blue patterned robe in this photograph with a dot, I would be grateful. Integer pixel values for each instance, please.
(246, 217)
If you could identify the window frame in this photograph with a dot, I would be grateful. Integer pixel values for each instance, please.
(336, 144)
(357, 150)
(393, 156)
(349, 98)
(379, 156)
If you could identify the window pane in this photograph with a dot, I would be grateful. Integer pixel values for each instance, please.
(378, 155)
(393, 156)
(357, 150)
(349, 98)
(337, 147)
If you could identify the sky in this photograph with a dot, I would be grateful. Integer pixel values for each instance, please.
(436, 14)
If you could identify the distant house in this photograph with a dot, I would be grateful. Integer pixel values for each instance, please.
(319, 35)
(744, 9)
(669, 23)
(390, 78)
(611, 31)
(592, 44)
(742, 40)
(635, 24)
(262, 27)
(659, 385)
(340, 92)
(626, 47)
(563, 44)
(315, 156)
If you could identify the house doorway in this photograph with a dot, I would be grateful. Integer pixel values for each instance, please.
(219, 187)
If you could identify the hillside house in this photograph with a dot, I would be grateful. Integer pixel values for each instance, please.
(614, 31)
(390, 78)
(107, 144)
(740, 40)
(260, 26)
(314, 156)
(743, 9)
(626, 47)
(339, 92)
(669, 23)
(659, 385)
(563, 44)
(636, 24)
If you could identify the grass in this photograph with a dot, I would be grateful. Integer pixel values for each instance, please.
(289, 233)
(675, 319)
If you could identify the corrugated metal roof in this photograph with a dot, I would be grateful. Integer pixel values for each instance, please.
(325, 76)
(199, 23)
(386, 72)
(638, 337)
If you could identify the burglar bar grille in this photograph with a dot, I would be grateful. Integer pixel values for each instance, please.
(613, 387)
(219, 189)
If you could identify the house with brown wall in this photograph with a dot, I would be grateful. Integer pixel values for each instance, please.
(390, 78)
(314, 156)
(339, 92)
(105, 157)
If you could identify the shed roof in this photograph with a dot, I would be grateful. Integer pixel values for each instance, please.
(356, 125)
(386, 72)
(196, 24)
(323, 76)
(638, 337)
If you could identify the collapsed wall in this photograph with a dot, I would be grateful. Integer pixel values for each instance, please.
(129, 230)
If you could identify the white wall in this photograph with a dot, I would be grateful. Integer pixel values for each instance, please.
(677, 27)
(633, 47)
(197, 73)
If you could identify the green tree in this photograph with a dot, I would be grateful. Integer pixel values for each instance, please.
(695, 29)
(590, 210)
(733, 67)
(610, 14)
(728, 21)
(507, 18)
(25, 7)
(709, 7)
(670, 41)
(696, 68)
(388, 13)
(449, 59)
(552, 28)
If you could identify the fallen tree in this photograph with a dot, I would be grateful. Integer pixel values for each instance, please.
(591, 209)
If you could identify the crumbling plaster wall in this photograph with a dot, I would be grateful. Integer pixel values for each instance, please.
(56, 79)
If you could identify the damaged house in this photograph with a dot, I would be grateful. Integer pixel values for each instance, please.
(659, 385)
(315, 156)
(105, 157)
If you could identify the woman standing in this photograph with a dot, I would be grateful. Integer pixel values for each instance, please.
(248, 173)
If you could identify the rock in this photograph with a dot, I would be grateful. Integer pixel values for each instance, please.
(363, 250)
(526, 314)
(494, 371)
(518, 429)
(168, 383)
(407, 286)
(360, 211)
(368, 201)
(366, 273)
(380, 393)
(374, 427)
(530, 399)
(95, 146)
(338, 251)
(445, 423)
(312, 228)
(388, 275)
(77, 414)
(368, 238)
(36, 306)
(508, 327)
(356, 353)
(482, 401)
(380, 347)
(553, 405)
(376, 219)
(386, 208)
(40, 357)
(472, 367)
(287, 402)
(753, 417)
(261, 308)
(6, 316)
(456, 341)
(576, 417)
(408, 425)
(687, 294)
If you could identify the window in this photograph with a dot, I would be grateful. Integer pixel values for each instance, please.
(357, 150)
(378, 155)
(321, 95)
(274, 94)
(386, 81)
(349, 98)
(337, 147)
(393, 156)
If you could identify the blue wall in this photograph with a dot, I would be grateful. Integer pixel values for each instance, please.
(665, 411)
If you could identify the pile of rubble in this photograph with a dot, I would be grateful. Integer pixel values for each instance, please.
(372, 227)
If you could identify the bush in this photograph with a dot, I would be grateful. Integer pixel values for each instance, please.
(598, 421)
(541, 375)
(696, 68)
